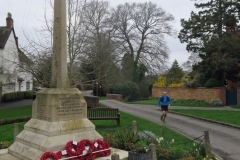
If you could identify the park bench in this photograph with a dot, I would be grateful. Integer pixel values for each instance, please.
(104, 114)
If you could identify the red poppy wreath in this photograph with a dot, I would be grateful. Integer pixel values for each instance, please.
(72, 149)
(101, 145)
(86, 147)
(54, 156)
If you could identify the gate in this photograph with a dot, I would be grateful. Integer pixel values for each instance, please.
(231, 97)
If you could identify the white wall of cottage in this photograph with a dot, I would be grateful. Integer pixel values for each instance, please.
(10, 63)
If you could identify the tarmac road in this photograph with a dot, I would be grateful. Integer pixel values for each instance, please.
(224, 140)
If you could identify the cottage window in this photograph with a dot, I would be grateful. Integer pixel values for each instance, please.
(27, 86)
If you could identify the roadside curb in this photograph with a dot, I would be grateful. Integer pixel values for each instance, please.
(204, 119)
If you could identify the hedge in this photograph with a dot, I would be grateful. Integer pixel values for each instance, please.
(16, 96)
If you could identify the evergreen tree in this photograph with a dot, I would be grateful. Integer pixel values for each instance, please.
(175, 74)
(213, 33)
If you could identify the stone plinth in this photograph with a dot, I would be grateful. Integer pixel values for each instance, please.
(58, 116)
(57, 104)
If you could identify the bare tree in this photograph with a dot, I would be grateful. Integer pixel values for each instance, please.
(192, 59)
(75, 32)
(141, 28)
(40, 46)
(99, 42)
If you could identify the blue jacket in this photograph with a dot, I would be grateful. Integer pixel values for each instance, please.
(164, 100)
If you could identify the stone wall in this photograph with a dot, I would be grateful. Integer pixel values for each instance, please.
(92, 101)
(114, 96)
(205, 94)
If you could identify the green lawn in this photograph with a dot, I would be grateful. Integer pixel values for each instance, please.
(13, 113)
(231, 117)
(6, 131)
(104, 127)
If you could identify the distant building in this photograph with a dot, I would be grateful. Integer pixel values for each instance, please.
(13, 62)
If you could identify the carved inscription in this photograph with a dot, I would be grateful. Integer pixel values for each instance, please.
(69, 106)
(41, 109)
(40, 106)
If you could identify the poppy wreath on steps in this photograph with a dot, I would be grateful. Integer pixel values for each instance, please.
(86, 148)
(101, 145)
(53, 156)
(72, 149)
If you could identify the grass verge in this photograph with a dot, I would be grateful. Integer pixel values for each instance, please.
(230, 117)
(7, 131)
(14, 113)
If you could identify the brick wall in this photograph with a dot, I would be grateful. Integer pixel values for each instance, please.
(114, 96)
(92, 101)
(205, 94)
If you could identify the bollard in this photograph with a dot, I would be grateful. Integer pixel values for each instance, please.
(134, 127)
(115, 156)
(15, 131)
(152, 155)
(207, 145)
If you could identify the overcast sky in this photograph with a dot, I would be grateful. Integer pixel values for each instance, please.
(28, 14)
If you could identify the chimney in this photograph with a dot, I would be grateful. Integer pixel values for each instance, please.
(9, 21)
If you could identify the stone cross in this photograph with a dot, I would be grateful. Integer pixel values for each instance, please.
(59, 77)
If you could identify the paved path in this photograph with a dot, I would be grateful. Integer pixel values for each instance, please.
(225, 140)
(24, 102)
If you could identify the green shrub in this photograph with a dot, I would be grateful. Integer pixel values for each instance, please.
(13, 96)
(216, 102)
(189, 101)
(122, 139)
(213, 82)
(126, 89)
(192, 84)
(236, 106)
(27, 94)
(197, 81)
(16, 96)
(163, 153)
(5, 144)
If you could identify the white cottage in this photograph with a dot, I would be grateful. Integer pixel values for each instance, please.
(13, 74)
